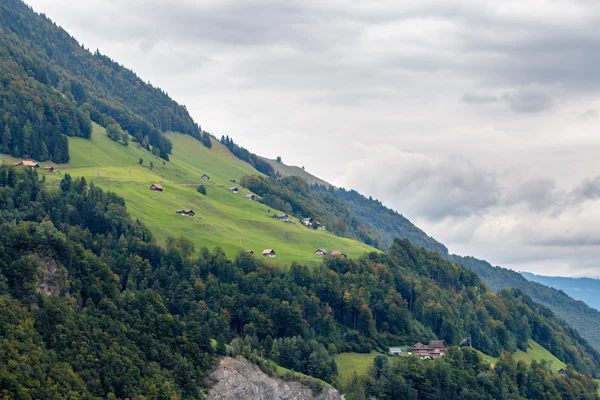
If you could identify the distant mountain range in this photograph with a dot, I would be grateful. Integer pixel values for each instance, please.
(584, 289)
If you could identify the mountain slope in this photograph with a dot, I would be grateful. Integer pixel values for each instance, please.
(66, 85)
(583, 289)
(222, 218)
(93, 308)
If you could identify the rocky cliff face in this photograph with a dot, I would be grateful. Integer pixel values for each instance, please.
(239, 379)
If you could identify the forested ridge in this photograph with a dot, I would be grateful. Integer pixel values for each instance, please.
(385, 224)
(50, 85)
(92, 307)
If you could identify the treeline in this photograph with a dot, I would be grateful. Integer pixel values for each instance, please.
(92, 305)
(460, 374)
(46, 78)
(296, 197)
(240, 152)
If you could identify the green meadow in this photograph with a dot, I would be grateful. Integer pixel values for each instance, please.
(349, 363)
(538, 353)
(222, 218)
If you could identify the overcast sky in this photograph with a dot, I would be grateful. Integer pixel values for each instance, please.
(478, 120)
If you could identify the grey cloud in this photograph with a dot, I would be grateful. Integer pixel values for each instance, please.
(475, 98)
(587, 190)
(538, 194)
(590, 114)
(528, 101)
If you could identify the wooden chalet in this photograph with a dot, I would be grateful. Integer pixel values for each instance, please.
(307, 221)
(338, 254)
(206, 177)
(249, 251)
(269, 253)
(250, 197)
(233, 189)
(156, 187)
(435, 349)
(30, 164)
(49, 168)
(562, 371)
(188, 213)
(320, 252)
(282, 217)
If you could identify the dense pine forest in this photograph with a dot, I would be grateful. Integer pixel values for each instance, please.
(92, 306)
(50, 85)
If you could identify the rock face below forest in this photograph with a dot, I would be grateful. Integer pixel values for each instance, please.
(239, 379)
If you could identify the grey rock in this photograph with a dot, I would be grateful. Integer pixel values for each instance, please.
(239, 379)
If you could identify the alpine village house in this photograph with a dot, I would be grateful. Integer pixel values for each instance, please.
(187, 213)
(435, 349)
(269, 253)
(156, 187)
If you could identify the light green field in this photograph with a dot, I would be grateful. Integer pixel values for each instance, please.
(349, 363)
(538, 353)
(222, 218)
(291, 170)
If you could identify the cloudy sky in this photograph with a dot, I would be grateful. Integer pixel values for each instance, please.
(477, 119)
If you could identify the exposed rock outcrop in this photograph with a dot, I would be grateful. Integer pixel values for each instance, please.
(239, 379)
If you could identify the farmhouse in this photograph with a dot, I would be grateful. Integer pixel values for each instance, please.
(435, 349)
(307, 221)
(269, 253)
(206, 177)
(49, 168)
(282, 217)
(188, 213)
(156, 187)
(338, 253)
(320, 252)
(250, 197)
(30, 164)
(233, 189)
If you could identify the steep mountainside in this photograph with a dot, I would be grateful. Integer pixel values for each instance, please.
(584, 289)
(50, 85)
(92, 304)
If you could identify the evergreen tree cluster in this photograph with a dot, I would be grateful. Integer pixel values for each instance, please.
(93, 308)
(243, 154)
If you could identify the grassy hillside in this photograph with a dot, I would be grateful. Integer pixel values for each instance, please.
(349, 363)
(292, 170)
(538, 353)
(222, 218)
